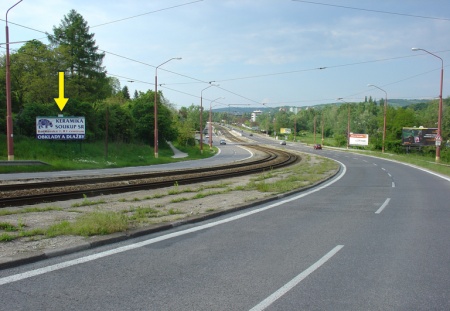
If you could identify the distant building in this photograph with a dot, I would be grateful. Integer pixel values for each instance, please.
(254, 115)
(295, 109)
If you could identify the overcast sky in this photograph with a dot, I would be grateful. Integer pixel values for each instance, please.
(277, 52)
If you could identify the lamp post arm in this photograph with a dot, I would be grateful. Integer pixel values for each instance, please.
(156, 143)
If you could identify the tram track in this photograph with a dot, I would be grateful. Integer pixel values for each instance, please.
(19, 194)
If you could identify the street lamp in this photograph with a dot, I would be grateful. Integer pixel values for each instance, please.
(348, 120)
(9, 123)
(156, 104)
(384, 115)
(201, 113)
(210, 121)
(438, 135)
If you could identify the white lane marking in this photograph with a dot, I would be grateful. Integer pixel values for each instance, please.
(393, 184)
(383, 206)
(66, 264)
(383, 169)
(295, 281)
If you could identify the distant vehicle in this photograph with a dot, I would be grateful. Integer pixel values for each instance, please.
(207, 136)
(223, 142)
(251, 134)
(283, 142)
(317, 146)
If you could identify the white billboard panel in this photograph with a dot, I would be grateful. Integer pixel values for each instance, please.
(60, 128)
(359, 139)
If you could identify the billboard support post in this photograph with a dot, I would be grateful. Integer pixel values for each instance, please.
(384, 115)
(438, 135)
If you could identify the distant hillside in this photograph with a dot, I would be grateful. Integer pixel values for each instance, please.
(407, 102)
(415, 103)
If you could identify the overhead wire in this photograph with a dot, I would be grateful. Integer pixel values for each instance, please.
(246, 77)
(372, 10)
(139, 15)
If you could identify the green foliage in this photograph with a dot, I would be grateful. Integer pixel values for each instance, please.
(5, 237)
(80, 58)
(6, 226)
(87, 202)
(95, 223)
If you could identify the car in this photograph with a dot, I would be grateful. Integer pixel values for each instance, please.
(223, 142)
(317, 146)
(251, 134)
(283, 142)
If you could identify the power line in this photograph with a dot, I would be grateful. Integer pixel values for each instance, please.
(126, 18)
(371, 10)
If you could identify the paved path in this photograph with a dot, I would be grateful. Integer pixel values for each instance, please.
(177, 153)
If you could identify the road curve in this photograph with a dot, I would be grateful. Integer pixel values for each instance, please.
(373, 238)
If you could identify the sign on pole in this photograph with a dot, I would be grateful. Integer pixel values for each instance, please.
(60, 128)
(359, 139)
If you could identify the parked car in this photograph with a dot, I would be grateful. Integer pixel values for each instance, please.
(283, 142)
(317, 146)
(223, 142)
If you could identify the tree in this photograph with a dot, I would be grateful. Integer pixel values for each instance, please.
(34, 74)
(125, 92)
(80, 59)
(142, 110)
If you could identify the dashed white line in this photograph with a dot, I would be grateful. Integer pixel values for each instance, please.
(295, 281)
(382, 207)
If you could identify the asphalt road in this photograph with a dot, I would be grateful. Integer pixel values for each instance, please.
(376, 237)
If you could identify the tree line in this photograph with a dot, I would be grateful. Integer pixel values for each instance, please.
(110, 110)
(34, 69)
(365, 118)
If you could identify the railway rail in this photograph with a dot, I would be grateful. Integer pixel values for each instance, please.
(20, 194)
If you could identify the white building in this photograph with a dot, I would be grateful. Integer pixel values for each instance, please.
(254, 115)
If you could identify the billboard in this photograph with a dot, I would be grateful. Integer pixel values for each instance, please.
(60, 128)
(285, 131)
(419, 136)
(358, 139)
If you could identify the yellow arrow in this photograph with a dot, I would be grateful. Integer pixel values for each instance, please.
(61, 101)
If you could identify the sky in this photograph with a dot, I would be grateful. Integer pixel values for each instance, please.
(273, 52)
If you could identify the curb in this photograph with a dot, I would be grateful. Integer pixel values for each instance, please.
(22, 259)
(22, 162)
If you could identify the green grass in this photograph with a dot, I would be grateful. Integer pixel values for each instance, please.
(6, 237)
(77, 155)
(295, 177)
(5, 226)
(94, 223)
(87, 202)
(29, 210)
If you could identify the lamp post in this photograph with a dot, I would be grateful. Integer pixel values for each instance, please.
(156, 104)
(210, 121)
(438, 135)
(9, 122)
(384, 115)
(201, 114)
(295, 125)
(348, 120)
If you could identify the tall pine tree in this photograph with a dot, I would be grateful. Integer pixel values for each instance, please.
(80, 59)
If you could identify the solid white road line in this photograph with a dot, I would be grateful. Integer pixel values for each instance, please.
(295, 281)
(66, 264)
(383, 206)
